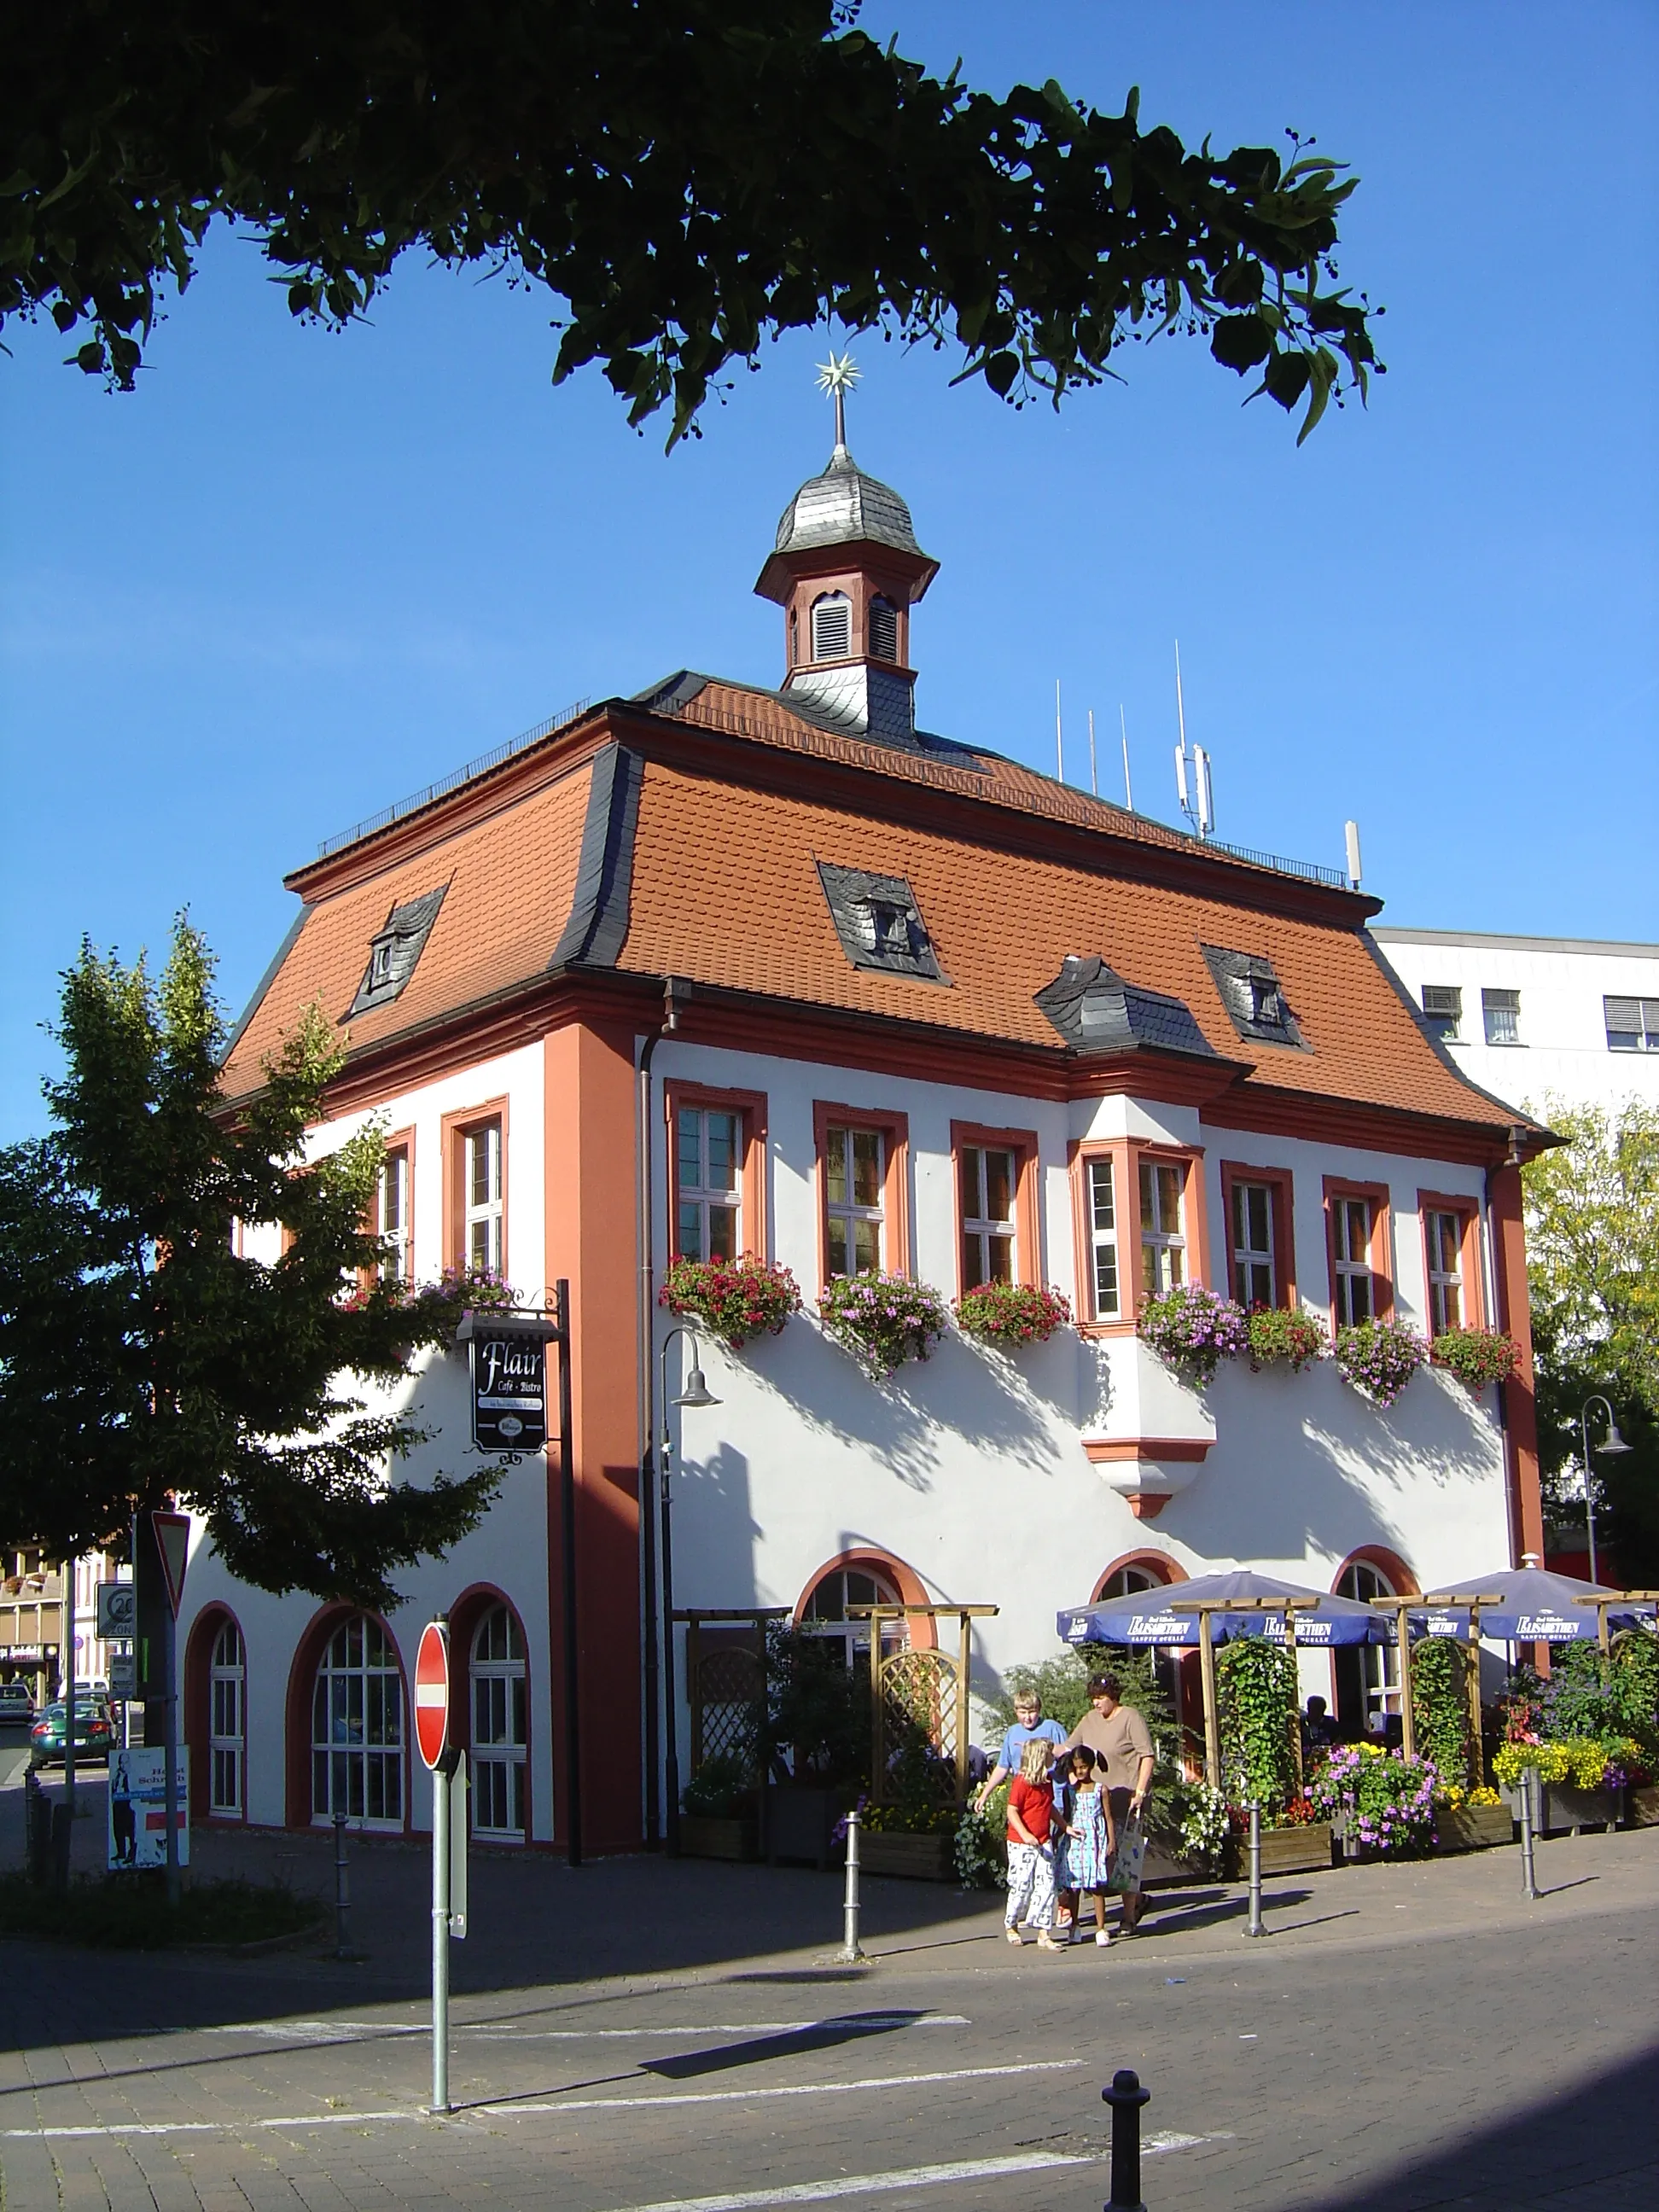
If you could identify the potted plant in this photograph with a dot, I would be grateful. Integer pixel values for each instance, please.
(1476, 1357)
(819, 1731)
(1471, 1821)
(719, 1818)
(883, 1320)
(919, 1841)
(1007, 1315)
(734, 1299)
(1378, 1357)
(1282, 1338)
(1385, 1801)
(1193, 1330)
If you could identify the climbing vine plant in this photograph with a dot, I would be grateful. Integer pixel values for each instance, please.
(1257, 1686)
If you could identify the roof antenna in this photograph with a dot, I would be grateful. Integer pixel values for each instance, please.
(1350, 830)
(1094, 779)
(1128, 789)
(1059, 742)
(1197, 799)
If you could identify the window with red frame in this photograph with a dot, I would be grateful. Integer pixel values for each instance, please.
(708, 1162)
(988, 1178)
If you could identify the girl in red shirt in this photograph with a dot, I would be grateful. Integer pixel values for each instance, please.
(1030, 1851)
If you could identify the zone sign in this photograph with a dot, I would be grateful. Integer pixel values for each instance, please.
(432, 1694)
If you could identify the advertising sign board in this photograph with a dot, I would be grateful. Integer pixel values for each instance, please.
(509, 1387)
(138, 1829)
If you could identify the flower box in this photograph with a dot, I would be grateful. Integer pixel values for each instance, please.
(1642, 1806)
(1566, 1811)
(1303, 1849)
(705, 1836)
(921, 1859)
(799, 1819)
(1473, 1828)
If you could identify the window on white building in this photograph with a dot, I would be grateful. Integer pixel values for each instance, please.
(392, 1225)
(1102, 1238)
(825, 1612)
(1367, 1674)
(1350, 1240)
(357, 1727)
(1632, 1024)
(1443, 1010)
(1255, 1278)
(854, 1171)
(1501, 1013)
(482, 1190)
(709, 1222)
(1163, 1246)
(986, 1175)
(227, 1722)
(499, 1731)
(1445, 1234)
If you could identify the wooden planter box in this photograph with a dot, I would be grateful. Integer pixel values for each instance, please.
(1642, 1806)
(1474, 1828)
(1290, 1851)
(923, 1858)
(1566, 1811)
(704, 1836)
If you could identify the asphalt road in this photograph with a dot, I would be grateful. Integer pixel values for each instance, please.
(1411, 2036)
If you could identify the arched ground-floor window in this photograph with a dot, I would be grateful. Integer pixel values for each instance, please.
(1366, 1676)
(227, 1723)
(358, 1761)
(1176, 1672)
(499, 1731)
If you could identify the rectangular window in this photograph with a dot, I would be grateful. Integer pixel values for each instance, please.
(1443, 1010)
(1162, 1245)
(1445, 1243)
(392, 1222)
(1632, 1024)
(1102, 1240)
(1350, 1236)
(1255, 1275)
(481, 1197)
(854, 1176)
(1501, 1011)
(987, 1177)
(709, 1144)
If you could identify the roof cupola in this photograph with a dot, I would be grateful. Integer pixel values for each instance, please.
(847, 571)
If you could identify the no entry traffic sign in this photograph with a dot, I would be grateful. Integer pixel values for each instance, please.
(432, 1693)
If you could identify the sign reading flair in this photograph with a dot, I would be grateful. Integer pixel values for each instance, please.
(508, 1352)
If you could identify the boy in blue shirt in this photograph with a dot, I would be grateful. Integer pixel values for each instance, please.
(1029, 1727)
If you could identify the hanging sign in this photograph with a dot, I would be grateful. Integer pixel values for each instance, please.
(509, 1379)
(432, 1693)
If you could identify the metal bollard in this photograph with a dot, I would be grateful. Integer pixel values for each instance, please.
(1256, 1927)
(1126, 2097)
(1529, 1879)
(342, 1892)
(849, 1953)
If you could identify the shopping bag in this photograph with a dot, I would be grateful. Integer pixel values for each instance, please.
(1123, 1876)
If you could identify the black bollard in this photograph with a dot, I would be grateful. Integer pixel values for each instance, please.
(342, 1893)
(1126, 2097)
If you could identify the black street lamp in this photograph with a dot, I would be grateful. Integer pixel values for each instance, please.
(1613, 1442)
(696, 1392)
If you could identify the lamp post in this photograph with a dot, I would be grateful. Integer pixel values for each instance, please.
(696, 1393)
(1613, 1442)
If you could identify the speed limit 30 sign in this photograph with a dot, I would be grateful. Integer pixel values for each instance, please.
(432, 1694)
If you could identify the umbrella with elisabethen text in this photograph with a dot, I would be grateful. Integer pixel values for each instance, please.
(1532, 1606)
(1144, 1616)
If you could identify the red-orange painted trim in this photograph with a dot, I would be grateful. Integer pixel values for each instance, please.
(454, 1131)
(750, 1107)
(1113, 1451)
(1517, 1397)
(1023, 1144)
(1282, 1183)
(1467, 1211)
(895, 1181)
(918, 1627)
(400, 1140)
(1386, 1562)
(1382, 1245)
(1169, 1572)
(296, 1708)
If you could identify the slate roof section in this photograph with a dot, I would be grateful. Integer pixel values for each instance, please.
(878, 923)
(1095, 1011)
(844, 506)
(598, 925)
(393, 952)
(1254, 998)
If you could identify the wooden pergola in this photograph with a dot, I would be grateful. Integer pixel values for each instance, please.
(1473, 1600)
(965, 1616)
(1611, 1603)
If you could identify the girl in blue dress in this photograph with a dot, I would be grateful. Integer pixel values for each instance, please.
(1090, 1839)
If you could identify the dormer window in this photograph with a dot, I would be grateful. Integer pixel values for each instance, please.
(380, 963)
(878, 923)
(1266, 1004)
(883, 630)
(832, 627)
(393, 950)
(1254, 997)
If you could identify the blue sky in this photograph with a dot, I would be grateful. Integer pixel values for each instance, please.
(299, 575)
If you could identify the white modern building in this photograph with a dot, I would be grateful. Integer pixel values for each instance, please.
(1535, 1018)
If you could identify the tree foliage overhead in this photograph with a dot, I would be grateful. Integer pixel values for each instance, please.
(141, 1356)
(1592, 1213)
(686, 177)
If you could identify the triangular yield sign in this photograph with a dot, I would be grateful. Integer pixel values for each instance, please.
(173, 1542)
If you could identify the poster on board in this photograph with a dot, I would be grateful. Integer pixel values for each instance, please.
(137, 1833)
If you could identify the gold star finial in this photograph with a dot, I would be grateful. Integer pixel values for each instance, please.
(837, 376)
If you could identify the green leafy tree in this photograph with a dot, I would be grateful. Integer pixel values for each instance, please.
(683, 177)
(141, 1357)
(1592, 1209)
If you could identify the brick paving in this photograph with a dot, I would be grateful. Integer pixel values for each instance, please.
(639, 2033)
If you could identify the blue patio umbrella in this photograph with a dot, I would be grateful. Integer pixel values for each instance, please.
(1144, 1616)
(1533, 1607)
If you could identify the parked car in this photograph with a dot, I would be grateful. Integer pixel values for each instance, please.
(16, 1703)
(94, 1732)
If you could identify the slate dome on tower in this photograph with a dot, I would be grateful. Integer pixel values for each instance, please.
(844, 506)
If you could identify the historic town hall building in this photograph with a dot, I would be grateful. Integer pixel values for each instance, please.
(722, 969)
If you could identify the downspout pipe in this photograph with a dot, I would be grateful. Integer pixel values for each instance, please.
(673, 991)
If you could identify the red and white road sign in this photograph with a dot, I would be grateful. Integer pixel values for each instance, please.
(432, 1693)
(173, 1542)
